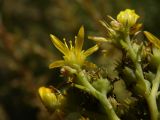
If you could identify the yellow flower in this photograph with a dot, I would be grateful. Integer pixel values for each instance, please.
(128, 17)
(73, 55)
(153, 39)
(50, 99)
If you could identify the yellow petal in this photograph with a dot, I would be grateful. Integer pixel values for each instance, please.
(153, 39)
(98, 39)
(80, 39)
(91, 50)
(56, 64)
(59, 45)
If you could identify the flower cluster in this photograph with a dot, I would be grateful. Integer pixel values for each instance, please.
(138, 69)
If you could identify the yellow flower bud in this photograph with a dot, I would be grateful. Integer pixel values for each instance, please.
(48, 98)
(128, 18)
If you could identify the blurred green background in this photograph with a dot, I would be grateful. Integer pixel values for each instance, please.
(26, 48)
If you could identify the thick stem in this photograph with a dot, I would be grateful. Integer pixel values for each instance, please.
(130, 49)
(82, 80)
(107, 106)
(152, 96)
(151, 100)
(134, 57)
(155, 83)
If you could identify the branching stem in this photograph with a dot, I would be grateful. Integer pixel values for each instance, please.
(83, 81)
(149, 95)
(151, 98)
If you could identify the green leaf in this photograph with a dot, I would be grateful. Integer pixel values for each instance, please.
(129, 76)
(123, 95)
(149, 76)
(155, 58)
(143, 86)
(102, 85)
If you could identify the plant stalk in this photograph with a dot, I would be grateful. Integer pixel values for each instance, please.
(150, 96)
(82, 79)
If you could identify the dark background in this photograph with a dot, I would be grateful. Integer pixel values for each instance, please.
(26, 48)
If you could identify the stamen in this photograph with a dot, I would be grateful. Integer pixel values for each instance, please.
(64, 39)
(71, 46)
(75, 40)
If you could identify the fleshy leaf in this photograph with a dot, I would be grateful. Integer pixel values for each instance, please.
(129, 75)
(56, 64)
(122, 94)
(102, 85)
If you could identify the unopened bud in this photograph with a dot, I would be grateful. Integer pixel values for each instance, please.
(116, 25)
(50, 99)
(128, 18)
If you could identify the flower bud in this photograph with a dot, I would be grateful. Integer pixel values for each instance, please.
(115, 25)
(128, 18)
(50, 99)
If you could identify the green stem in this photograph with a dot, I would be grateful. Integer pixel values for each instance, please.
(152, 96)
(151, 100)
(156, 82)
(130, 49)
(134, 57)
(82, 80)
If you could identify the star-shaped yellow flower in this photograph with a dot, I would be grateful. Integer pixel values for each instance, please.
(73, 54)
